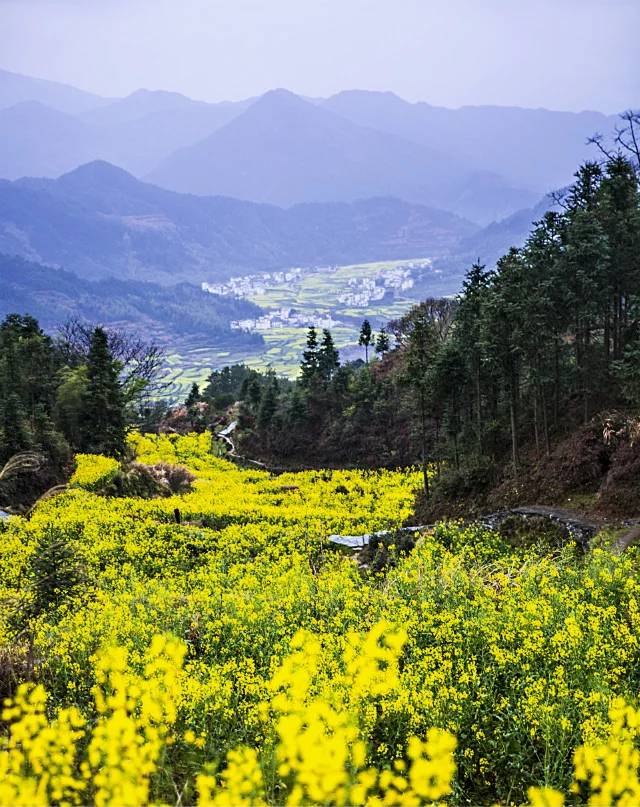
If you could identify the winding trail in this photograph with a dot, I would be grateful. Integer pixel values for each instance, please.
(225, 436)
(239, 459)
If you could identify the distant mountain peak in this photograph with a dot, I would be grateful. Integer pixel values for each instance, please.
(280, 92)
(280, 99)
(150, 100)
(370, 94)
(98, 172)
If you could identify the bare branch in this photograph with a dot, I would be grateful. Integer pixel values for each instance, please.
(560, 198)
(597, 140)
(140, 361)
(628, 136)
(438, 311)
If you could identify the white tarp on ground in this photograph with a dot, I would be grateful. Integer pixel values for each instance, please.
(359, 541)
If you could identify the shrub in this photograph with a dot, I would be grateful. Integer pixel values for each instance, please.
(149, 481)
(93, 471)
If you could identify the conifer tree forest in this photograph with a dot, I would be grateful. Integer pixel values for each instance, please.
(79, 391)
(527, 352)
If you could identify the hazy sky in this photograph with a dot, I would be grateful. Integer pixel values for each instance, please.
(562, 54)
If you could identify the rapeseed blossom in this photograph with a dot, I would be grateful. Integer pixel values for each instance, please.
(237, 658)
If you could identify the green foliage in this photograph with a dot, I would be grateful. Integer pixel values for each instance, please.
(226, 386)
(268, 406)
(54, 574)
(365, 338)
(103, 417)
(78, 392)
(382, 342)
(310, 366)
(70, 397)
(28, 365)
(328, 357)
(193, 397)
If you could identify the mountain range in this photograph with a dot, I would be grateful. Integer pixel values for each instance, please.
(482, 163)
(100, 221)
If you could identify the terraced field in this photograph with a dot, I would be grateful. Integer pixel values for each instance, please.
(316, 294)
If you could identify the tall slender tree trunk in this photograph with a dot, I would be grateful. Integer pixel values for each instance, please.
(545, 424)
(478, 406)
(607, 342)
(513, 418)
(456, 454)
(556, 383)
(615, 325)
(423, 436)
(536, 430)
(585, 376)
(514, 438)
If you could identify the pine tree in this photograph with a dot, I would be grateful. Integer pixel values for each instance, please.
(55, 573)
(421, 345)
(468, 323)
(328, 357)
(268, 406)
(309, 368)
(382, 342)
(297, 411)
(366, 336)
(27, 384)
(447, 377)
(254, 393)
(193, 397)
(15, 433)
(103, 415)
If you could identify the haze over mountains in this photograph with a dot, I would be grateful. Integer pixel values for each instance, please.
(133, 195)
(482, 163)
(285, 150)
(101, 221)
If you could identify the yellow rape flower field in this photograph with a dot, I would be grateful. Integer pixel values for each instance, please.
(237, 658)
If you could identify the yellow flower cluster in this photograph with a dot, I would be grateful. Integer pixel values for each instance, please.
(135, 714)
(37, 765)
(319, 753)
(605, 773)
(40, 762)
(294, 675)
(93, 471)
